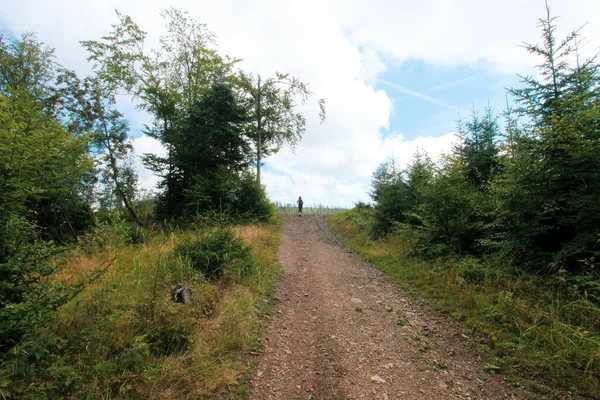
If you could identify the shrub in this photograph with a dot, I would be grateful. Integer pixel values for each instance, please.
(252, 202)
(217, 251)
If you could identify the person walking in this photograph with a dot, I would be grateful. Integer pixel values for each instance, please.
(300, 203)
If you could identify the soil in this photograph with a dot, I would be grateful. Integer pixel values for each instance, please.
(341, 329)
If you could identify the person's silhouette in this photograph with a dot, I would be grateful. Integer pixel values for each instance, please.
(300, 203)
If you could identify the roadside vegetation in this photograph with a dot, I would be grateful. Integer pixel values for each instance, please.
(289, 208)
(125, 337)
(91, 266)
(504, 232)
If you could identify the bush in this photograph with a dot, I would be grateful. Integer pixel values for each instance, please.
(252, 202)
(28, 298)
(215, 252)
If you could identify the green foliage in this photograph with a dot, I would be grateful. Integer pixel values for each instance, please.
(214, 154)
(390, 195)
(45, 170)
(513, 221)
(477, 147)
(448, 211)
(398, 193)
(547, 194)
(65, 151)
(208, 156)
(201, 115)
(252, 202)
(124, 337)
(45, 175)
(217, 252)
(273, 120)
(531, 198)
(27, 297)
(531, 325)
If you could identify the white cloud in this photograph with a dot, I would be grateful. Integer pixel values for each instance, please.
(463, 31)
(341, 47)
(143, 145)
(288, 179)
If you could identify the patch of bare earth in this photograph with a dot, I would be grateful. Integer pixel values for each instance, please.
(341, 329)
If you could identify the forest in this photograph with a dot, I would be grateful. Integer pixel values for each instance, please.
(505, 230)
(503, 233)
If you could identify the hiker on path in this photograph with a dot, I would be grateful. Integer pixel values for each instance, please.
(300, 203)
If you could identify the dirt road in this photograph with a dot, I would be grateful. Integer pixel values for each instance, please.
(341, 329)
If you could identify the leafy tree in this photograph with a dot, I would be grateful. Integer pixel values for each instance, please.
(41, 151)
(111, 195)
(168, 83)
(45, 185)
(211, 151)
(90, 108)
(273, 116)
(110, 136)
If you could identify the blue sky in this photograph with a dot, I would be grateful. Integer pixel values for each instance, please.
(440, 94)
(394, 73)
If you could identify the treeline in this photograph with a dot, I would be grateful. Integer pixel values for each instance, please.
(314, 209)
(527, 193)
(504, 232)
(66, 163)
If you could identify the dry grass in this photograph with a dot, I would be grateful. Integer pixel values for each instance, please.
(80, 266)
(252, 234)
(129, 307)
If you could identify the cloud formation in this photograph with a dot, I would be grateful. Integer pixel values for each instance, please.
(342, 47)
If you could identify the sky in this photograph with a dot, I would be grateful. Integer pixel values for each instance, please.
(395, 74)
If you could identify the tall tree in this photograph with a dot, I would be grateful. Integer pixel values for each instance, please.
(212, 150)
(480, 145)
(550, 190)
(61, 199)
(274, 119)
(46, 174)
(166, 82)
(91, 108)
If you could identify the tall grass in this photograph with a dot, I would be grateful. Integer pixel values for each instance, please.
(532, 327)
(124, 337)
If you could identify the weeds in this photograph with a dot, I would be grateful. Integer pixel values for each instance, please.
(124, 337)
(440, 365)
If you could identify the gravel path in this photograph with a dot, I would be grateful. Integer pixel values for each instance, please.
(341, 329)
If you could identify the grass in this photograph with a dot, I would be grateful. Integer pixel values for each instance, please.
(319, 209)
(124, 337)
(525, 323)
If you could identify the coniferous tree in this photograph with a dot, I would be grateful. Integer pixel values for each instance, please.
(551, 183)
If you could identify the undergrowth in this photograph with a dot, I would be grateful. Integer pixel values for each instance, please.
(125, 337)
(534, 328)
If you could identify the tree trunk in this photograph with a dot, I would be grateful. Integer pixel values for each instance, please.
(259, 131)
(115, 174)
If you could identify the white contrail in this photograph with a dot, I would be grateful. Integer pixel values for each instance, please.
(452, 84)
(416, 94)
